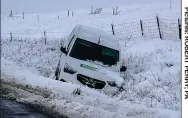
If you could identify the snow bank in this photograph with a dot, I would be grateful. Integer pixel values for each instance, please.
(89, 103)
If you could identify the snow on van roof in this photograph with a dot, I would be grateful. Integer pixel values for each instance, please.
(97, 35)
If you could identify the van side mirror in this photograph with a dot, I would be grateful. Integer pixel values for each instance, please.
(63, 49)
(123, 68)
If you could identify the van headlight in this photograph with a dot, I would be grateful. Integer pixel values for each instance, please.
(112, 83)
(69, 70)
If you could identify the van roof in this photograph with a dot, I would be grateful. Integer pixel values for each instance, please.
(96, 35)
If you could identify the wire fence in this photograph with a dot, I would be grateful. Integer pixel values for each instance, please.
(152, 28)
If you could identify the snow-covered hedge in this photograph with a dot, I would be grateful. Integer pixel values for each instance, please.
(153, 74)
(34, 54)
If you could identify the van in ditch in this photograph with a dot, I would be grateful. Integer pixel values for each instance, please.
(91, 58)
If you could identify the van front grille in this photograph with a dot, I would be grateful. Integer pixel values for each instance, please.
(91, 82)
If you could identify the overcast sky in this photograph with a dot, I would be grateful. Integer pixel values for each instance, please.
(30, 6)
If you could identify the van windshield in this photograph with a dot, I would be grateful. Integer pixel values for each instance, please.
(85, 50)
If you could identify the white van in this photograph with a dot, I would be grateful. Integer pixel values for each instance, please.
(91, 58)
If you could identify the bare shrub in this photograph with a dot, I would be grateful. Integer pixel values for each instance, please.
(96, 11)
(116, 11)
(11, 14)
(77, 91)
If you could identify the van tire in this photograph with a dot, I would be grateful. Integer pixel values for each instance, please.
(57, 69)
(56, 78)
(57, 73)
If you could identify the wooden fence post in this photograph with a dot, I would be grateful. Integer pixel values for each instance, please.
(113, 11)
(141, 26)
(10, 36)
(179, 27)
(72, 14)
(37, 17)
(23, 15)
(159, 27)
(113, 29)
(45, 37)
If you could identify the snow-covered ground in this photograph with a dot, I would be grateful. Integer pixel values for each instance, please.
(34, 25)
(91, 103)
(152, 81)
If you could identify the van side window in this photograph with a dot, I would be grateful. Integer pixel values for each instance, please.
(68, 47)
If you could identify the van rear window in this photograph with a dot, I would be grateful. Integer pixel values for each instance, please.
(85, 50)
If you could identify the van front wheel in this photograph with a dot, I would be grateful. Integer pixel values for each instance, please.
(57, 69)
(57, 74)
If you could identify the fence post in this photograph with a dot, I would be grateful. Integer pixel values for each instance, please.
(113, 11)
(179, 26)
(72, 14)
(45, 37)
(10, 36)
(159, 27)
(141, 28)
(37, 17)
(113, 29)
(68, 13)
(23, 15)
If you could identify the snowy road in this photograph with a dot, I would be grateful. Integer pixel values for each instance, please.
(13, 105)
(12, 109)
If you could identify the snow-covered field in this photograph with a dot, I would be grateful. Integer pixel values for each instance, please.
(152, 80)
(34, 25)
